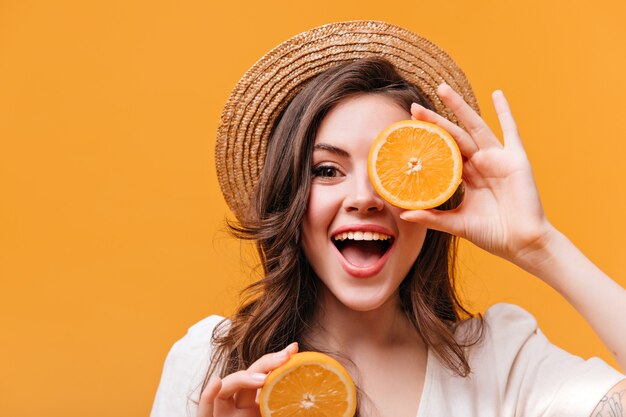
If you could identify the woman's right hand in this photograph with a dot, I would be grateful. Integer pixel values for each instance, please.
(236, 394)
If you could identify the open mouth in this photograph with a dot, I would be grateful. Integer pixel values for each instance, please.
(362, 249)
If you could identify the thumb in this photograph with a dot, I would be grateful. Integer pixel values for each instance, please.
(447, 221)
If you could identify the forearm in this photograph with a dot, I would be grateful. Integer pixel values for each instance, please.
(598, 298)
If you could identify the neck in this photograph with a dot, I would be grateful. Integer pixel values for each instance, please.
(339, 328)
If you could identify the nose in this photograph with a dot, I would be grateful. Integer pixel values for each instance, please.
(362, 198)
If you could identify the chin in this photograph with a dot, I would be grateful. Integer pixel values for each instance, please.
(362, 302)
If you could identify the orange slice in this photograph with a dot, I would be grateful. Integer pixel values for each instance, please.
(310, 384)
(415, 165)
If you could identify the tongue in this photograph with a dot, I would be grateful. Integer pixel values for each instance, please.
(362, 253)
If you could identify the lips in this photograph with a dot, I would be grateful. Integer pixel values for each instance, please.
(362, 250)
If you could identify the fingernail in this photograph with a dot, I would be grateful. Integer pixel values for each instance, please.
(442, 87)
(289, 347)
(258, 376)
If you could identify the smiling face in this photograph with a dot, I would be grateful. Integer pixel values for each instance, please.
(355, 241)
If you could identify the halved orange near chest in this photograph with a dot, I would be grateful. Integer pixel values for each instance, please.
(310, 384)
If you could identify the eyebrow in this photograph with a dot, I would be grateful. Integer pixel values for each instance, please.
(330, 148)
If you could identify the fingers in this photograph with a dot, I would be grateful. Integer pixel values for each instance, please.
(254, 376)
(240, 380)
(236, 393)
(444, 221)
(271, 361)
(207, 398)
(477, 128)
(467, 146)
(247, 397)
(507, 122)
(217, 399)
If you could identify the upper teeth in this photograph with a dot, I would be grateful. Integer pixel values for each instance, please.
(361, 236)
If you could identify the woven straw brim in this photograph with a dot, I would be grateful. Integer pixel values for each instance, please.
(267, 88)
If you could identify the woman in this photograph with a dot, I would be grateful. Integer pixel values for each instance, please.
(291, 157)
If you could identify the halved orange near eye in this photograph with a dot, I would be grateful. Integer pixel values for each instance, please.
(415, 165)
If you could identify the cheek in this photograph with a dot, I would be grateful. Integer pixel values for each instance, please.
(311, 221)
(415, 235)
(321, 209)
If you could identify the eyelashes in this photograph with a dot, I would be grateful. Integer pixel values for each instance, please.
(325, 171)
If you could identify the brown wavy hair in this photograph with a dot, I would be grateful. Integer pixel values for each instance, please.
(277, 309)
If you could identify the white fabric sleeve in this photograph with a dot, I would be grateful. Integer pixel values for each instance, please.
(184, 370)
(537, 377)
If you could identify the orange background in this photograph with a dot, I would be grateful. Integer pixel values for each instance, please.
(111, 219)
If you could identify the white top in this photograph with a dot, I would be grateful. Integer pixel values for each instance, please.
(516, 371)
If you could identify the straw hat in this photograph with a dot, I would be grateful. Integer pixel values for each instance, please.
(268, 87)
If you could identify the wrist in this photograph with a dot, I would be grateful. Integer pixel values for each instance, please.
(538, 253)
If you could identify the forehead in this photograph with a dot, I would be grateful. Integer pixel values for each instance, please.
(360, 118)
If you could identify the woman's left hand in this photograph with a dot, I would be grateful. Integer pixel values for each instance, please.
(501, 211)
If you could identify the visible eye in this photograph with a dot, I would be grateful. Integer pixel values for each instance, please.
(325, 171)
